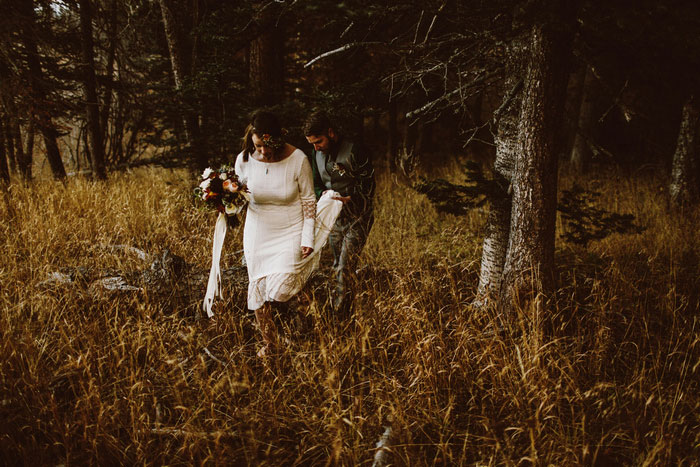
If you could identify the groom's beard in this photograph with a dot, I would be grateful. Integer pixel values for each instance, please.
(333, 147)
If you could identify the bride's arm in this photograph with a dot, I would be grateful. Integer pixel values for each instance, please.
(308, 206)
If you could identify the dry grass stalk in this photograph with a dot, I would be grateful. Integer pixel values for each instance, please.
(132, 379)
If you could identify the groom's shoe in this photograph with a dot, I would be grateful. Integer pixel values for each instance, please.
(341, 302)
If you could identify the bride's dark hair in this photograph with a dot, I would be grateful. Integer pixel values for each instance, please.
(261, 123)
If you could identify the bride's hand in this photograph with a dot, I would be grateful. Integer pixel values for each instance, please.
(306, 251)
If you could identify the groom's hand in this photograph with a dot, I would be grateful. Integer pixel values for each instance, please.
(306, 251)
(344, 199)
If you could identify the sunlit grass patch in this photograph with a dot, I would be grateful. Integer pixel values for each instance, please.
(89, 378)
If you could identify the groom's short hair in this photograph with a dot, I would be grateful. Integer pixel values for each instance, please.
(317, 123)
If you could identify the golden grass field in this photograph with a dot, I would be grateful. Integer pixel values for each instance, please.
(132, 379)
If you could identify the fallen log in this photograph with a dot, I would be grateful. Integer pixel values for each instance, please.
(167, 278)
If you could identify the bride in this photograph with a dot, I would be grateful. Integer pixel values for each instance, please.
(283, 234)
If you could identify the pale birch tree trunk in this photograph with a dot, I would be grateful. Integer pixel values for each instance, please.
(495, 244)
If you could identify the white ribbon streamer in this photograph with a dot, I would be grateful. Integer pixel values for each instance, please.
(214, 285)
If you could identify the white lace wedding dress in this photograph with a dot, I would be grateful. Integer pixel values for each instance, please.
(282, 217)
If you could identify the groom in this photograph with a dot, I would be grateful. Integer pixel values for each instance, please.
(344, 166)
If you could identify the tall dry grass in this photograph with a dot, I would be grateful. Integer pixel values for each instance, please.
(132, 379)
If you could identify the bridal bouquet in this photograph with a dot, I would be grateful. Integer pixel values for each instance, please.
(222, 190)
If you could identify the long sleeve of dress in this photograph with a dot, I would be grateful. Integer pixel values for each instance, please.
(308, 203)
(238, 168)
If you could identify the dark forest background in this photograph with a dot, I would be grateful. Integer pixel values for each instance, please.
(87, 84)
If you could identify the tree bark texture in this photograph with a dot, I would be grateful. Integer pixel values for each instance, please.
(266, 60)
(176, 34)
(581, 151)
(529, 266)
(42, 116)
(92, 113)
(178, 19)
(495, 246)
(684, 187)
(4, 168)
(9, 143)
(109, 74)
(30, 140)
(24, 160)
(392, 135)
(117, 143)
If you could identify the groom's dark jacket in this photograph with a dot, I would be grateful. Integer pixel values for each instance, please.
(348, 170)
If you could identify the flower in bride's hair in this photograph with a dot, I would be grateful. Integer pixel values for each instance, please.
(207, 172)
(273, 142)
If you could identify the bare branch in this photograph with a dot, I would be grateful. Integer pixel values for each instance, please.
(450, 94)
(352, 23)
(415, 38)
(507, 100)
(331, 52)
(342, 49)
(432, 23)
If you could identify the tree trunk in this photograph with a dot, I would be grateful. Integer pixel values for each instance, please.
(177, 21)
(266, 60)
(92, 113)
(4, 169)
(29, 146)
(684, 187)
(495, 245)
(116, 145)
(572, 106)
(109, 75)
(10, 144)
(85, 132)
(393, 136)
(24, 162)
(412, 142)
(36, 78)
(529, 265)
(178, 43)
(581, 151)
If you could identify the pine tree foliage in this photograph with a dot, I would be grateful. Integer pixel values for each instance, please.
(584, 220)
(459, 199)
